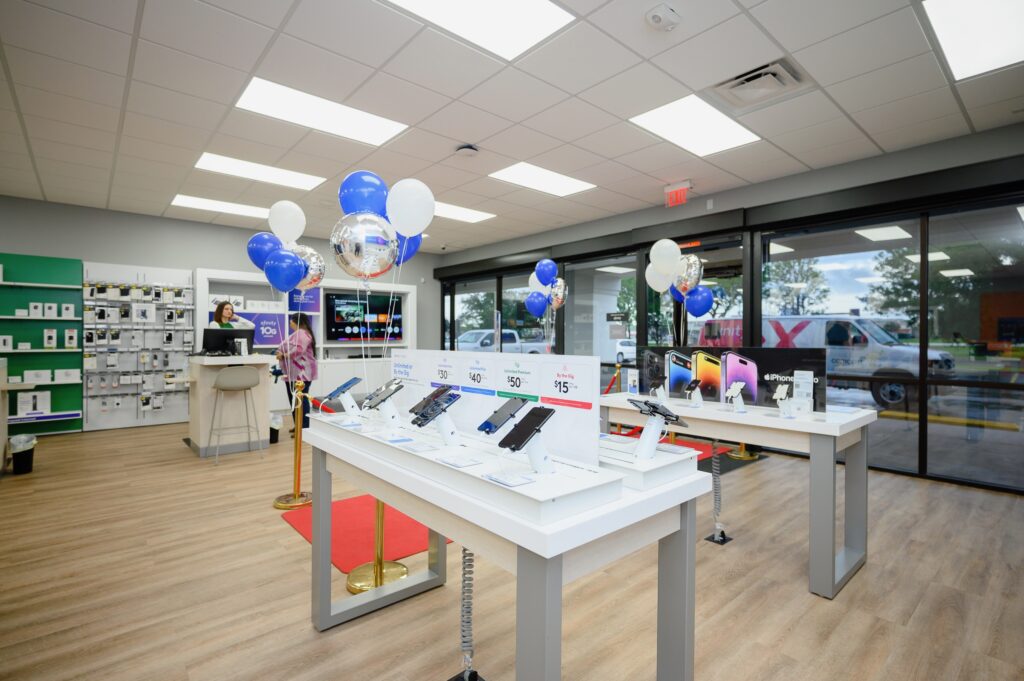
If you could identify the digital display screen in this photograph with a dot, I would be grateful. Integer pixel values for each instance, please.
(351, 318)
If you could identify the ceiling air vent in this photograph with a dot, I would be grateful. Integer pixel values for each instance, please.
(764, 85)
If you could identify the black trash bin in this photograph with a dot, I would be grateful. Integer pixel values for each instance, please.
(22, 461)
(275, 433)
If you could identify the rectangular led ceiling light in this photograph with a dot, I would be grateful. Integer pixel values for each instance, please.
(1020, 209)
(977, 36)
(184, 201)
(543, 180)
(287, 104)
(932, 257)
(956, 273)
(447, 210)
(615, 269)
(226, 165)
(695, 125)
(778, 249)
(505, 27)
(890, 233)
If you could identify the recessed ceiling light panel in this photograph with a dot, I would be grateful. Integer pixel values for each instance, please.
(778, 249)
(505, 27)
(932, 257)
(957, 273)
(695, 125)
(543, 180)
(889, 233)
(615, 269)
(215, 163)
(288, 104)
(447, 210)
(185, 201)
(977, 36)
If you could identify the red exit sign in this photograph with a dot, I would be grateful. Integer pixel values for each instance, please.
(675, 194)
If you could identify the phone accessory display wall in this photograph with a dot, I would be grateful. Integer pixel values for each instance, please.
(40, 325)
(137, 334)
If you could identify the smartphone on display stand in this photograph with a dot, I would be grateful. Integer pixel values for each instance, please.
(435, 394)
(691, 386)
(708, 369)
(435, 408)
(343, 388)
(736, 367)
(680, 371)
(377, 397)
(527, 427)
(651, 408)
(501, 416)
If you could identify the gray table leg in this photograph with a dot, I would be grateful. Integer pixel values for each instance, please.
(327, 614)
(676, 598)
(538, 617)
(855, 523)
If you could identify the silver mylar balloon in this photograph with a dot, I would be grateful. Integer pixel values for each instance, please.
(364, 245)
(559, 292)
(315, 266)
(688, 273)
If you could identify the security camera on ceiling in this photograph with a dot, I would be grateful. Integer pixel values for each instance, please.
(662, 17)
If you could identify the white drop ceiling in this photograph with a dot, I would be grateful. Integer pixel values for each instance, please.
(110, 104)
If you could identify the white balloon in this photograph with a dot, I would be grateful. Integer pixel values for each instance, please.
(656, 280)
(535, 284)
(665, 256)
(410, 207)
(287, 221)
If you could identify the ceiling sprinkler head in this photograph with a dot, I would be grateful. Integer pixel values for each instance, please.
(466, 150)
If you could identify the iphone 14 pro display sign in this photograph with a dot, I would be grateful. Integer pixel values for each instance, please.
(761, 370)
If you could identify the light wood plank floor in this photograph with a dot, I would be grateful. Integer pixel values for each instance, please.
(123, 556)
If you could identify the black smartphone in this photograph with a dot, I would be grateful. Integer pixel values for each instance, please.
(343, 388)
(649, 408)
(437, 393)
(377, 397)
(527, 427)
(501, 415)
(692, 385)
(435, 408)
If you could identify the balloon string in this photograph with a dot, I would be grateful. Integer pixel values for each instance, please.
(363, 345)
(392, 298)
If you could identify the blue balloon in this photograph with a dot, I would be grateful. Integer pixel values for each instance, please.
(284, 269)
(699, 301)
(363, 192)
(536, 303)
(547, 271)
(677, 295)
(407, 247)
(260, 246)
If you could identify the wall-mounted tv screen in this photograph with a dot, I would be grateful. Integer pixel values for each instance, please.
(351, 318)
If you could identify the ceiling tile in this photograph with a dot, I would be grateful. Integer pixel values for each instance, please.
(520, 142)
(6, 101)
(176, 107)
(819, 135)
(525, 197)
(879, 43)
(489, 187)
(9, 122)
(617, 140)
(191, 214)
(59, 35)
(566, 159)
(50, 169)
(577, 59)
(267, 12)
(157, 151)
(632, 92)
(129, 205)
(423, 144)
(440, 177)
(396, 99)
(213, 185)
(92, 199)
(465, 123)
(145, 167)
(757, 162)
(625, 20)
(514, 95)
(174, 70)
(604, 173)
(609, 200)
(484, 162)
(116, 14)
(442, 64)
(640, 187)
(459, 197)
(387, 163)
(253, 126)
(661, 155)
(20, 162)
(313, 165)
(205, 31)
(56, 131)
(72, 154)
(570, 120)
(156, 129)
(341, 150)
(127, 178)
(54, 75)
(120, 192)
(725, 51)
(9, 176)
(905, 78)
(906, 111)
(998, 114)
(843, 152)
(993, 87)
(13, 143)
(67, 109)
(922, 132)
(365, 31)
(799, 23)
(264, 194)
(247, 150)
(808, 109)
(311, 69)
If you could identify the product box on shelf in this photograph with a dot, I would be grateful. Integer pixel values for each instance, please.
(35, 402)
(71, 338)
(50, 310)
(35, 310)
(21, 313)
(67, 310)
(67, 375)
(6, 343)
(1, 272)
(22, 345)
(38, 376)
(50, 339)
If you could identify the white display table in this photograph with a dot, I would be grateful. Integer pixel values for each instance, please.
(202, 374)
(821, 435)
(600, 521)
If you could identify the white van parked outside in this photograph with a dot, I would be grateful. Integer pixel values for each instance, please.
(855, 346)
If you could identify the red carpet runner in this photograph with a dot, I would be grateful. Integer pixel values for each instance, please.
(352, 524)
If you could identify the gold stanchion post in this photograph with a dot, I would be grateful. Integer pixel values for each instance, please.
(379, 572)
(741, 454)
(297, 498)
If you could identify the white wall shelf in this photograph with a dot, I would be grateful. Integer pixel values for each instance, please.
(52, 416)
(39, 351)
(40, 319)
(30, 284)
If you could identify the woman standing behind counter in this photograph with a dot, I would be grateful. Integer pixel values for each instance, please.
(297, 356)
(224, 317)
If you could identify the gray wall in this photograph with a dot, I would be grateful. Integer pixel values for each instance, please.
(984, 146)
(40, 228)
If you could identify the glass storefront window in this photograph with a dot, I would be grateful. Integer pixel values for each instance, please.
(521, 332)
(660, 317)
(474, 315)
(600, 313)
(723, 274)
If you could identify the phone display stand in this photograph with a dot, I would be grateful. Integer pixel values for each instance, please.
(389, 415)
(695, 398)
(349, 404)
(650, 437)
(735, 394)
(446, 427)
(786, 408)
(538, 455)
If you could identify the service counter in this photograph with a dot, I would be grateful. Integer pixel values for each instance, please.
(203, 372)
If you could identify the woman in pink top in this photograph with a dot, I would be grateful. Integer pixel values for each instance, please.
(297, 356)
